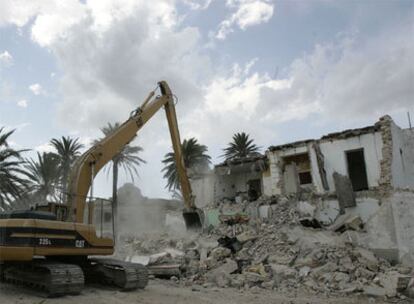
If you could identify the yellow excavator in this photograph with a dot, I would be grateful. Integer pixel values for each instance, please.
(56, 247)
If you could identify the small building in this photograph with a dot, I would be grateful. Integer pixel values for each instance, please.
(240, 177)
(377, 157)
(234, 179)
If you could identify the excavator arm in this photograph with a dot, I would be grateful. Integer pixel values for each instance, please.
(94, 159)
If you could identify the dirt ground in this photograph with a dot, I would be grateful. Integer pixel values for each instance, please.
(168, 292)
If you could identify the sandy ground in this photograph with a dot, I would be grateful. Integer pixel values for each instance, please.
(168, 292)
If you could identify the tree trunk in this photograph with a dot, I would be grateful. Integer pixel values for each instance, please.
(115, 194)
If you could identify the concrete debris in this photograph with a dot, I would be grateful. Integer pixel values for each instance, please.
(374, 291)
(346, 222)
(410, 289)
(221, 274)
(310, 222)
(231, 243)
(276, 254)
(165, 271)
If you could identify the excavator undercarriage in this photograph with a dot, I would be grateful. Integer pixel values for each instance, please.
(54, 278)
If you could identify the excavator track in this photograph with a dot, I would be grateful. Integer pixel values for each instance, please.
(53, 279)
(124, 275)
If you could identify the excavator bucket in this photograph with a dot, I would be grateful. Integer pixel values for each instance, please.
(193, 219)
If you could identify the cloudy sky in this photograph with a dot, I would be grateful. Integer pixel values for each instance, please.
(279, 70)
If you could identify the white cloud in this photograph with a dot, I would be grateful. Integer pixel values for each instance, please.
(19, 12)
(45, 147)
(36, 89)
(6, 58)
(247, 13)
(54, 22)
(197, 4)
(22, 103)
(112, 53)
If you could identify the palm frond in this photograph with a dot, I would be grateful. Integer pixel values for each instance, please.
(13, 178)
(240, 146)
(195, 157)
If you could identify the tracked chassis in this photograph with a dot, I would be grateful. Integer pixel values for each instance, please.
(124, 275)
(54, 279)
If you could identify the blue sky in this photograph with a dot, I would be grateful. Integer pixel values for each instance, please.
(279, 70)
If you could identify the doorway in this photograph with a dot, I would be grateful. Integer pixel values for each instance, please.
(357, 170)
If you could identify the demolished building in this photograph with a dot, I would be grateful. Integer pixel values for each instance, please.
(377, 157)
(236, 180)
(364, 174)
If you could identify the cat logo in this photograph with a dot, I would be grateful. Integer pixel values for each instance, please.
(79, 243)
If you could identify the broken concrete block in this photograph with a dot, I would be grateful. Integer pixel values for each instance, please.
(220, 253)
(342, 279)
(246, 237)
(344, 191)
(159, 258)
(165, 271)
(268, 285)
(265, 212)
(283, 259)
(220, 275)
(282, 272)
(327, 268)
(366, 258)
(354, 223)
(346, 265)
(307, 261)
(237, 281)
(310, 222)
(304, 271)
(222, 280)
(393, 282)
(231, 243)
(259, 269)
(252, 279)
(350, 288)
(347, 222)
(410, 289)
(364, 273)
(209, 263)
(306, 209)
(374, 291)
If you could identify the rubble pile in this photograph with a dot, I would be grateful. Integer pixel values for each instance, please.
(280, 254)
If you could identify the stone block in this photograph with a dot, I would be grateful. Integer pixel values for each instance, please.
(344, 191)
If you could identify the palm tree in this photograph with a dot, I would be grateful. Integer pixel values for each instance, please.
(127, 158)
(241, 146)
(67, 149)
(44, 176)
(12, 181)
(195, 158)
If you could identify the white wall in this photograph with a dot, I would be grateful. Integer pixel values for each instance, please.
(203, 189)
(270, 182)
(316, 177)
(403, 157)
(328, 210)
(403, 211)
(226, 186)
(267, 182)
(335, 158)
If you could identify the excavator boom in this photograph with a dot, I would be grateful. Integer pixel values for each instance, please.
(93, 160)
